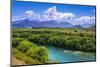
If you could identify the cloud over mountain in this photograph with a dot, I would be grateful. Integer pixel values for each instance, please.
(85, 19)
(29, 13)
(53, 14)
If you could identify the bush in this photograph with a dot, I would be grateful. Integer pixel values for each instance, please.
(21, 56)
(16, 35)
(25, 35)
(16, 41)
(24, 46)
(40, 54)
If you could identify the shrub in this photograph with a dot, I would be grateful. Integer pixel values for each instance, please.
(21, 56)
(16, 41)
(40, 54)
(24, 35)
(15, 35)
(24, 46)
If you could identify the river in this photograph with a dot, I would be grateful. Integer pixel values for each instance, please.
(61, 55)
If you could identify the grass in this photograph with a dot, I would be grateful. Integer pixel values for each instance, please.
(23, 58)
(17, 61)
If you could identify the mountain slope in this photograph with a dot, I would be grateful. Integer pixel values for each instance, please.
(27, 23)
(35, 23)
(87, 25)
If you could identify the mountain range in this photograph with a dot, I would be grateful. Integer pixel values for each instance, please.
(27, 23)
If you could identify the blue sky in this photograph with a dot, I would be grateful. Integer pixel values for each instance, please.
(50, 11)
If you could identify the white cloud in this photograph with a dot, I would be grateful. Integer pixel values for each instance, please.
(16, 18)
(51, 10)
(29, 13)
(53, 14)
(84, 19)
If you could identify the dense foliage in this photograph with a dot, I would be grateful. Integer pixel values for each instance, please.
(28, 52)
(21, 56)
(26, 41)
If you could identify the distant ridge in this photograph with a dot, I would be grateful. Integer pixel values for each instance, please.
(35, 23)
(27, 23)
